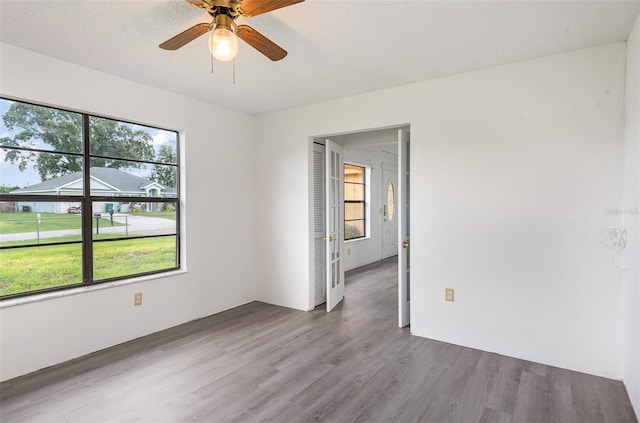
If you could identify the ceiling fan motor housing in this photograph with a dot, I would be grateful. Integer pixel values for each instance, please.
(223, 21)
(231, 8)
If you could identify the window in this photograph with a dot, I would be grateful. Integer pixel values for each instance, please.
(390, 201)
(83, 199)
(354, 202)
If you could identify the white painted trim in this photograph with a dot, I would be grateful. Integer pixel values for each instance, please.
(151, 184)
(60, 187)
(311, 238)
(103, 182)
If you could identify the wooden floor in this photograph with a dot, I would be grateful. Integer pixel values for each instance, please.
(262, 363)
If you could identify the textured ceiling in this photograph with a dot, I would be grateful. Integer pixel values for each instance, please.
(336, 48)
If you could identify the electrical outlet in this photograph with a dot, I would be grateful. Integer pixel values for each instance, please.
(448, 294)
(137, 299)
(348, 251)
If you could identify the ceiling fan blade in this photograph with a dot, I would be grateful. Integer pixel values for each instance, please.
(258, 7)
(260, 42)
(186, 36)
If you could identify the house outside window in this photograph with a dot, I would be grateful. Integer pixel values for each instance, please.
(354, 202)
(84, 199)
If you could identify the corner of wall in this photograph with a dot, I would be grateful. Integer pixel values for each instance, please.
(630, 206)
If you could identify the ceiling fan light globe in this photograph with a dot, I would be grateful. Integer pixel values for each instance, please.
(223, 44)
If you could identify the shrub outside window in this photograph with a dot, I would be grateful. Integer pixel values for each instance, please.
(83, 199)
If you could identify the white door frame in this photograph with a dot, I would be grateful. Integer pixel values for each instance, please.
(404, 250)
(403, 311)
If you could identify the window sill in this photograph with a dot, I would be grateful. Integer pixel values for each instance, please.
(12, 302)
(348, 241)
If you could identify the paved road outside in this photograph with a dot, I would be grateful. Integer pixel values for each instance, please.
(135, 225)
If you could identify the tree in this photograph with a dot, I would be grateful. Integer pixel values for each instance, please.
(61, 131)
(7, 188)
(113, 139)
(165, 175)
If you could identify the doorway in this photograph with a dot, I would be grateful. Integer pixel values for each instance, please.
(388, 233)
(328, 223)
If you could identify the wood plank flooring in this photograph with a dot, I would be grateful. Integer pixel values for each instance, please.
(262, 363)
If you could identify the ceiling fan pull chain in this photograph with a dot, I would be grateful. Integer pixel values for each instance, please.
(211, 63)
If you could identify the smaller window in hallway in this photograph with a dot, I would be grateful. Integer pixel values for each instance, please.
(354, 202)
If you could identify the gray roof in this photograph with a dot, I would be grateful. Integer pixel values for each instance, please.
(118, 179)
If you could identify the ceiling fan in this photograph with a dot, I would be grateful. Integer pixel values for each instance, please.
(223, 43)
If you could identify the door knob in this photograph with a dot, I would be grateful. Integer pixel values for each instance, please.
(405, 244)
(331, 238)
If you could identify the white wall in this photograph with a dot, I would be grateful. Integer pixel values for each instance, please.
(363, 251)
(630, 220)
(220, 274)
(512, 169)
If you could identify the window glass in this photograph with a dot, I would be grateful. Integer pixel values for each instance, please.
(30, 126)
(39, 222)
(133, 179)
(135, 218)
(353, 211)
(390, 201)
(354, 174)
(33, 172)
(121, 140)
(38, 268)
(354, 201)
(133, 256)
(131, 212)
(354, 229)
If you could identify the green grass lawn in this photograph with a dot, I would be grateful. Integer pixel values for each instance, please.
(30, 269)
(58, 239)
(16, 223)
(120, 258)
(165, 214)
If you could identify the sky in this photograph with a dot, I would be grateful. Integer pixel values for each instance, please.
(10, 175)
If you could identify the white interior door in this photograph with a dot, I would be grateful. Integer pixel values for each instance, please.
(389, 213)
(334, 195)
(404, 252)
(319, 225)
